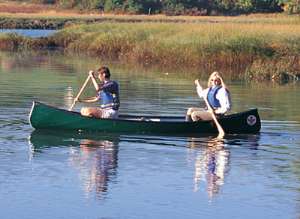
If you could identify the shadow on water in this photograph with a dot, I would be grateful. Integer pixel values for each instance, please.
(94, 157)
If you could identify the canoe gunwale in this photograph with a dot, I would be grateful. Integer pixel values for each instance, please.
(124, 116)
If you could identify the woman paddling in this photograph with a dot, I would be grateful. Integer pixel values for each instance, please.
(217, 96)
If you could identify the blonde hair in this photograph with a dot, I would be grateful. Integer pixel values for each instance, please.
(218, 75)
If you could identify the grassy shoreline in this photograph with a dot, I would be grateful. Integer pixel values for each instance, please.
(247, 48)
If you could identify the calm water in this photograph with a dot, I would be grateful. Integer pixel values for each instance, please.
(29, 32)
(103, 175)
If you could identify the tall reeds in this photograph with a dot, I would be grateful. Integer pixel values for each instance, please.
(232, 47)
(229, 46)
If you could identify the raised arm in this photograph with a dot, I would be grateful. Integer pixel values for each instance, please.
(91, 99)
(91, 74)
(199, 89)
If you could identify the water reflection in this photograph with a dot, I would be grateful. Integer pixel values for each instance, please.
(96, 162)
(27, 61)
(211, 165)
(33, 33)
(68, 97)
(212, 161)
(93, 156)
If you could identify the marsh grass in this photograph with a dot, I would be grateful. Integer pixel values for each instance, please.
(232, 47)
(53, 13)
(280, 70)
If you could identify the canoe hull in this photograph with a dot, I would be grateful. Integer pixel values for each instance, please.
(43, 116)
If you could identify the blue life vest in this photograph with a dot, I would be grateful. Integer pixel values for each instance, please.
(211, 97)
(109, 95)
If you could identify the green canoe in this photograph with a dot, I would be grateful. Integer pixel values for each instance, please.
(43, 116)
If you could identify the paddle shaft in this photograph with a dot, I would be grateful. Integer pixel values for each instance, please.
(219, 127)
(80, 91)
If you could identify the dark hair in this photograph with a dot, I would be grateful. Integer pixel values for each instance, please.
(104, 70)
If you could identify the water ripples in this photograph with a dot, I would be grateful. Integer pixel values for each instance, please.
(258, 174)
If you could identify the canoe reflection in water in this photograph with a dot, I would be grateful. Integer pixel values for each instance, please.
(94, 157)
(212, 161)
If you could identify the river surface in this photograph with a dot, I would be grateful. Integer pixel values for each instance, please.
(29, 32)
(102, 175)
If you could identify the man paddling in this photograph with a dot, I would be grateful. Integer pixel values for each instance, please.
(107, 95)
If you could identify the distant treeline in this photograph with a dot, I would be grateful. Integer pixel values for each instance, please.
(178, 7)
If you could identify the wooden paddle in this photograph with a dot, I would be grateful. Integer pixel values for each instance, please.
(80, 91)
(213, 115)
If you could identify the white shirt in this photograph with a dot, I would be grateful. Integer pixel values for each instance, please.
(222, 95)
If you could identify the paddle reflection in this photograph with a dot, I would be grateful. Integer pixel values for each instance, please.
(211, 165)
(95, 159)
